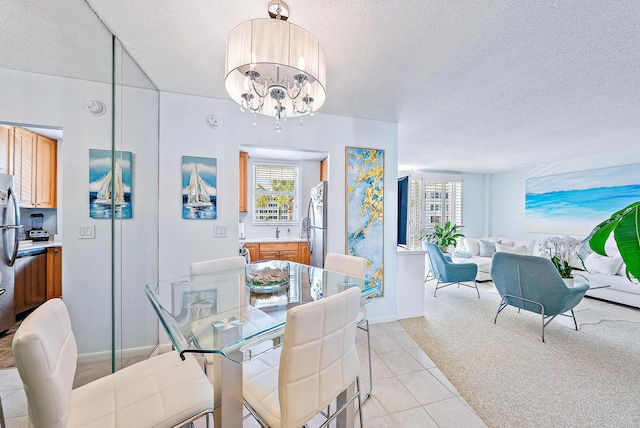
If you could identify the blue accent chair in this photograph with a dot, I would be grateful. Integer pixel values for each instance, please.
(533, 284)
(448, 273)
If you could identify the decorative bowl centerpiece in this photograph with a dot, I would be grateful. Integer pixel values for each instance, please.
(267, 277)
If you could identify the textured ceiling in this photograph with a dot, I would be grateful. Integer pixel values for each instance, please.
(474, 85)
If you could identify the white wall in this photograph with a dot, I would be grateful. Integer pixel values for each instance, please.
(183, 131)
(36, 99)
(508, 189)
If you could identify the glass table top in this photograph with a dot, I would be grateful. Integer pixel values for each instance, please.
(230, 311)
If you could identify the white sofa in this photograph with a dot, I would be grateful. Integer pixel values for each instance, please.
(609, 271)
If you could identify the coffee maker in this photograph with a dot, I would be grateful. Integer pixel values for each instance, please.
(37, 233)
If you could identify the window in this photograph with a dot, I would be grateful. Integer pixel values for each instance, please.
(435, 199)
(275, 190)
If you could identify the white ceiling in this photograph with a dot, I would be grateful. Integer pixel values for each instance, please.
(475, 85)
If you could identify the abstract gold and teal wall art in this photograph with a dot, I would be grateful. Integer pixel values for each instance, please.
(199, 187)
(106, 187)
(365, 210)
(576, 202)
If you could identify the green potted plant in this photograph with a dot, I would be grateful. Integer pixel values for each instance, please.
(444, 236)
(625, 226)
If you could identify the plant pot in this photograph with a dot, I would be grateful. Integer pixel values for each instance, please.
(568, 281)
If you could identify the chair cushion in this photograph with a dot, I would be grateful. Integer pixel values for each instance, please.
(159, 392)
(487, 248)
(520, 249)
(260, 390)
(462, 254)
(472, 245)
(596, 263)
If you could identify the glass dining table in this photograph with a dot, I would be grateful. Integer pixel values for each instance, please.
(229, 316)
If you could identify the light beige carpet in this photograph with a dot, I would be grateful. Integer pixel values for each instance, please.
(585, 378)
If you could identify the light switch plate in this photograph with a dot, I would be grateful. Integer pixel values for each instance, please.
(86, 231)
(219, 231)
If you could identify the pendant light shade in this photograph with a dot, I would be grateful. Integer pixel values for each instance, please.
(275, 68)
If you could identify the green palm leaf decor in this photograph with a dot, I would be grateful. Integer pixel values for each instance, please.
(443, 236)
(625, 226)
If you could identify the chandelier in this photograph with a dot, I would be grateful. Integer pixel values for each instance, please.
(275, 68)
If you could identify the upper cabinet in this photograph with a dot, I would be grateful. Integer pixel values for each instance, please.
(32, 159)
(244, 161)
(324, 169)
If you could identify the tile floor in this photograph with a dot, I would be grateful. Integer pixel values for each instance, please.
(409, 390)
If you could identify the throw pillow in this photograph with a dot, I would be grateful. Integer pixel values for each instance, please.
(487, 248)
(519, 249)
(462, 254)
(472, 246)
(596, 263)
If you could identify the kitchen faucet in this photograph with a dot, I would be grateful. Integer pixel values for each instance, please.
(277, 233)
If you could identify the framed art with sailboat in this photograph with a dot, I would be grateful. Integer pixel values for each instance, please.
(199, 188)
(110, 184)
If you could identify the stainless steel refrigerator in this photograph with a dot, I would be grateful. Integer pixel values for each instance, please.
(317, 224)
(10, 232)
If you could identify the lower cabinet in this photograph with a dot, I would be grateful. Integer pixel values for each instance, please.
(38, 278)
(54, 272)
(30, 284)
(292, 251)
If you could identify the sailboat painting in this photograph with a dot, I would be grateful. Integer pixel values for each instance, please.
(109, 186)
(199, 188)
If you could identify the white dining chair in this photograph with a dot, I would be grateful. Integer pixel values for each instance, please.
(216, 265)
(317, 361)
(353, 266)
(162, 391)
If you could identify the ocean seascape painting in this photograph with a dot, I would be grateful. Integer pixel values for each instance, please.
(365, 210)
(574, 203)
(106, 187)
(199, 188)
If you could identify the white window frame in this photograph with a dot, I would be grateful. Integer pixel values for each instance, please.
(295, 193)
(417, 227)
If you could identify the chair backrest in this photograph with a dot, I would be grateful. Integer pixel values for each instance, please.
(319, 358)
(349, 265)
(530, 277)
(436, 258)
(45, 352)
(216, 265)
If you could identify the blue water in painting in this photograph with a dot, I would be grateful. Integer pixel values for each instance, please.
(597, 204)
(104, 211)
(210, 213)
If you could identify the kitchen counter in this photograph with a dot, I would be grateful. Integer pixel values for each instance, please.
(25, 249)
(270, 240)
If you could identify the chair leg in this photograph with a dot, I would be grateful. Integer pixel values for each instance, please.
(2, 423)
(368, 394)
(574, 319)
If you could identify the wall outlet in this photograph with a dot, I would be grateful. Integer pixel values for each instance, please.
(87, 231)
(219, 231)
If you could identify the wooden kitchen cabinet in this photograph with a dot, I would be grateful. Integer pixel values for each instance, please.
(6, 137)
(54, 272)
(304, 256)
(30, 282)
(33, 162)
(292, 251)
(244, 162)
(254, 251)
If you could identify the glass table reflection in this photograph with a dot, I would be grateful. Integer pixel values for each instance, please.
(220, 314)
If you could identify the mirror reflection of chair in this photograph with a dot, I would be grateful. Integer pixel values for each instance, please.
(533, 284)
(448, 273)
(353, 266)
(317, 362)
(162, 391)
